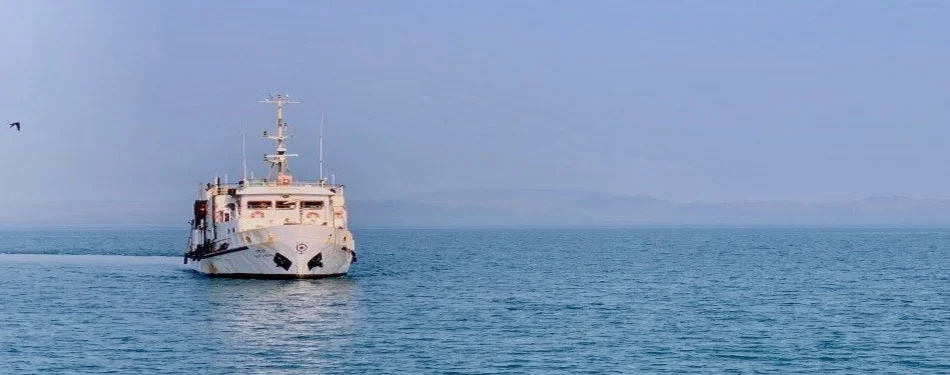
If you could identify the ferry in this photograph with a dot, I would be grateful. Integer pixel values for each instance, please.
(272, 228)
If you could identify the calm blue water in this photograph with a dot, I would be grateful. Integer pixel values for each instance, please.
(489, 301)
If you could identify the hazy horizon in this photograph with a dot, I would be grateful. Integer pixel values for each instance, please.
(520, 209)
(684, 101)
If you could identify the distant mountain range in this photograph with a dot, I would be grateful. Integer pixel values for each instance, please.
(518, 208)
(463, 208)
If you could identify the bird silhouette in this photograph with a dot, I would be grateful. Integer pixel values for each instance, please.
(15, 124)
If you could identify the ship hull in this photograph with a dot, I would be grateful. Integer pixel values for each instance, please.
(280, 252)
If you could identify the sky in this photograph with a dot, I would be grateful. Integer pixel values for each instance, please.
(683, 100)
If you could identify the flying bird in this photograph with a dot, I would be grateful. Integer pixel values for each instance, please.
(16, 124)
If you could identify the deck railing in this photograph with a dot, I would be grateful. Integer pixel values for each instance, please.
(223, 188)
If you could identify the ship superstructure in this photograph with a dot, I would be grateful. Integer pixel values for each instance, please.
(275, 227)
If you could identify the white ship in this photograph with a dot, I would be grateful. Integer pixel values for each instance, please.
(272, 228)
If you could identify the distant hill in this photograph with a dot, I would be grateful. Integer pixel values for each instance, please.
(585, 208)
(509, 208)
(516, 208)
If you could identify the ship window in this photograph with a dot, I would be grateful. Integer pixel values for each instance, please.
(286, 205)
(257, 205)
(311, 205)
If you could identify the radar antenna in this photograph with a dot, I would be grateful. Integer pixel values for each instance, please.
(278, 161)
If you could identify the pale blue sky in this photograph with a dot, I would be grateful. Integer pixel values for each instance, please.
(684, 100)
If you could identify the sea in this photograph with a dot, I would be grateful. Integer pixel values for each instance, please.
(489, 301)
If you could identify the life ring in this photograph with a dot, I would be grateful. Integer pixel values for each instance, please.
(313, 215)
(257, 214)
(219, 216)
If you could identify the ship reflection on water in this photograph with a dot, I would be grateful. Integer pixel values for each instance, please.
(292, 323)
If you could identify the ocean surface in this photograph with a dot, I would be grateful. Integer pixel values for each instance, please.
(600, 301)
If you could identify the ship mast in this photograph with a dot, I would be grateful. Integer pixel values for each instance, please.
(278, 161)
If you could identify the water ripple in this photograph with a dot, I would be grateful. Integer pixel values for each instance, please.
(489, 301)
